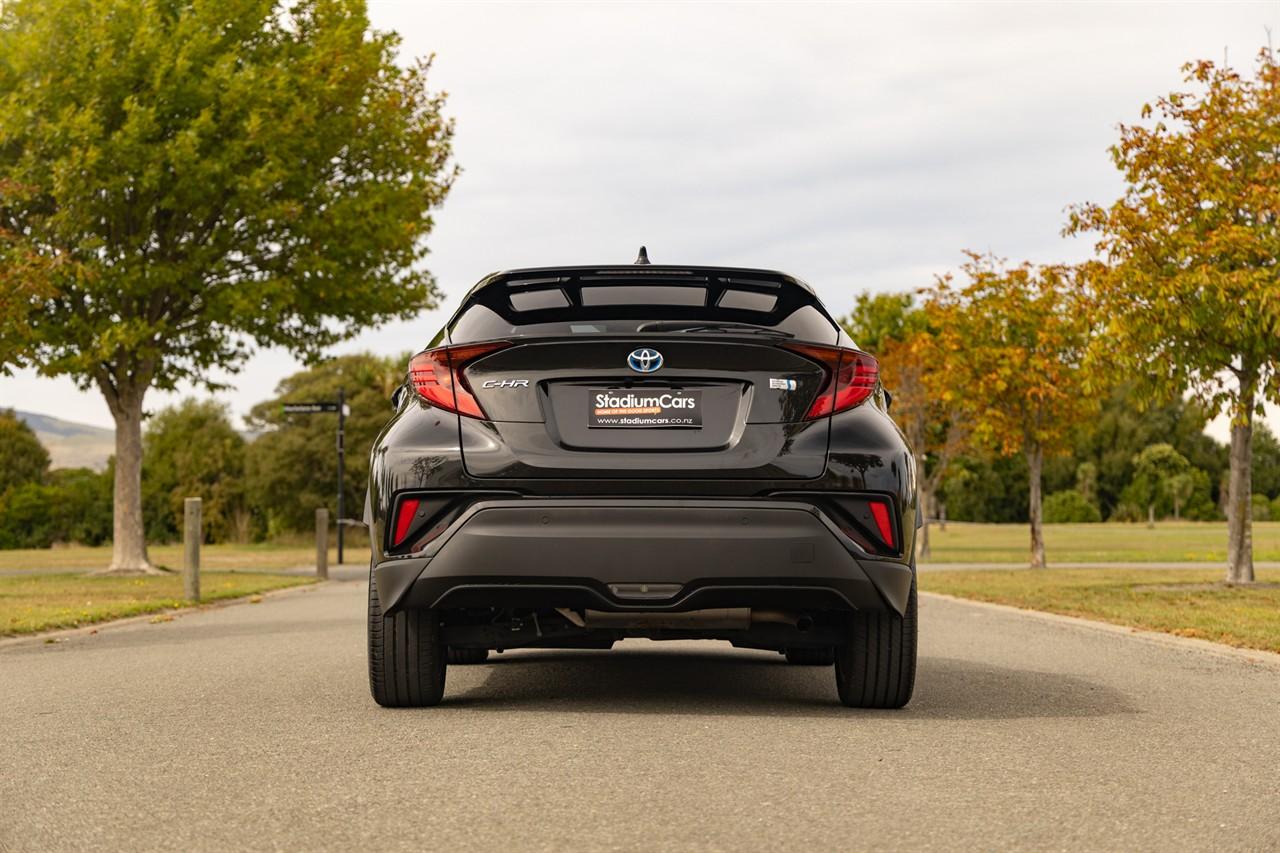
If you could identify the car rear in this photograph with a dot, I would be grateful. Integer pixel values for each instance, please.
(593, 453)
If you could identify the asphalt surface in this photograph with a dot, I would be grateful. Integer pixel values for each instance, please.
(251, 727)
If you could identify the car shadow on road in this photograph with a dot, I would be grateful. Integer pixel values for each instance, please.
(747, 683)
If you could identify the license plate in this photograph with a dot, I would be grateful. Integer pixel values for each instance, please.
(632, 408)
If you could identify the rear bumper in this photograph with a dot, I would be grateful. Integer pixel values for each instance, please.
(639, 554)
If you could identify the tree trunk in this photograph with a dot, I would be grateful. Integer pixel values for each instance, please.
(926, 502)
(1151, 516)
(1177, 508)
(128, 540)
(1240, 493)
(942, 516)
(1035, 463)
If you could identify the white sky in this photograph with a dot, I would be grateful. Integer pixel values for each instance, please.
(859, 146)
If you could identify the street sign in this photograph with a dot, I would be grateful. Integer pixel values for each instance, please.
(308, 408)
(342, 410)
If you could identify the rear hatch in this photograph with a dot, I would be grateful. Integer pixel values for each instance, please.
(714, 409)
(644, 374)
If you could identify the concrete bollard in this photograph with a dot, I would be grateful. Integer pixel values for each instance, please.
(191, 535)
(322, 543)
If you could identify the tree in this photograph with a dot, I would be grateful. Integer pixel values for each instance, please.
(1189, 294)
(925, 406)
(1070, 507)
(987, 488)
(1123, 427)
(1266, 461)
(1180, 488)
(1087, 482)
(23, 458)
(1153, 470)
(1013, 341)
(192, 450)
(894, 329)
(878, 318)
(204, 177)
(24, 283)
(292, 465)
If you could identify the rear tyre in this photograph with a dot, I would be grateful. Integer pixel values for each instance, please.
(812, 657)
(406, 658)
(876, 664)
(467, 656)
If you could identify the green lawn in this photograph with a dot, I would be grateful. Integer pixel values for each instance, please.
(255, 557)
(1186, 602)
(1169, 541)
(30, 603)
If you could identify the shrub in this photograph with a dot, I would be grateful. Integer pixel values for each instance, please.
(74, 506)
(1261, 508)
(1069, 507)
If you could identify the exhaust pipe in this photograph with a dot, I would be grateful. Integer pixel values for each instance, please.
(799, 620)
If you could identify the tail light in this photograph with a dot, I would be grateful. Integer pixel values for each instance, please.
(851, 377)
(436, 375)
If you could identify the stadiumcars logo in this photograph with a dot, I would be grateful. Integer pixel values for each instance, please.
(612, 408)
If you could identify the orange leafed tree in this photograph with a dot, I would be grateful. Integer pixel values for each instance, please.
(925, 407)
(1190, 296)
(894, 328)
(1013, 340)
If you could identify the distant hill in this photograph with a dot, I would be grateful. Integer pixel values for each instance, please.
(71, 445)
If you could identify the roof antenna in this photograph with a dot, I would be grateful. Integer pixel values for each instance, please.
(643, 257)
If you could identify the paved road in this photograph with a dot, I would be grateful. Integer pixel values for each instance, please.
(251, 727)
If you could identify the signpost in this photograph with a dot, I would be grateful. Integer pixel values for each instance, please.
(324, 407)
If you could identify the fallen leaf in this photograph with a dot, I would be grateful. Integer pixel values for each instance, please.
(255, 599)
(161, 617)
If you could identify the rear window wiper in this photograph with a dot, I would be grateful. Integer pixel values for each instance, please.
(702, 326)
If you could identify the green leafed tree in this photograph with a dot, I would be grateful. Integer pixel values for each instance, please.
(1190, 297)
(1266, 461)
(195, 179)
(190, 450)
(1160, 471)
(292, 464)
(23, 459)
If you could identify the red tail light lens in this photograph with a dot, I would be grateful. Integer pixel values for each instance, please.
(436, 375)
(404, 519)
(851, 377)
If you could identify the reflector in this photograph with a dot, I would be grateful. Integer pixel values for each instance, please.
(404, 519)
(880, 510)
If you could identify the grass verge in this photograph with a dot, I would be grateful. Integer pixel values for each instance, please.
(1186, 602)
(1167, 542)
(31, 603)
(262, 556)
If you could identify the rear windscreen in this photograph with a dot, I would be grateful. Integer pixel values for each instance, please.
(610, 305)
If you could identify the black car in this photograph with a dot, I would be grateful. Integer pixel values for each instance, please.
(585, 454)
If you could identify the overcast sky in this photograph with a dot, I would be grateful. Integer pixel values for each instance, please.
(859, 146)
